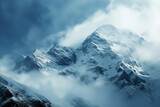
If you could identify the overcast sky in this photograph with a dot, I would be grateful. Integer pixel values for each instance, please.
(24, 24)
(29, 24)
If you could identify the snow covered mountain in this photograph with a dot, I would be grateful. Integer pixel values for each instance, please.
(13, 94)
(107, 53)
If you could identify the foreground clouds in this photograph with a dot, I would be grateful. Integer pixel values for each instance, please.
(63, 91)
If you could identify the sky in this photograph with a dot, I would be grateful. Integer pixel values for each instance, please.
(30, 24)
(141, 17)
(25, 25)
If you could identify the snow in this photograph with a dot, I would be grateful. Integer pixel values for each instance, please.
(20, 93)
(106, 48)
(41, 57)
(106, 54)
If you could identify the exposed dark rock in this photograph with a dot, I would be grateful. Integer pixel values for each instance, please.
(63, 55)
(99, 70)
(13, 94)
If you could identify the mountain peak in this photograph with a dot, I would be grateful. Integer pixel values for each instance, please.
(95, 38)
(96, 45)
(63, 55)
(36, 52)
(106, 29)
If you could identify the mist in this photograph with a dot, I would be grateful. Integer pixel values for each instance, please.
(139, 17)
(64, 91)
(70, 91)
(67, 29)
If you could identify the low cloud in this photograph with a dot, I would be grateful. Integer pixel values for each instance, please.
(64, 91)
(69, 91)
(141, 17)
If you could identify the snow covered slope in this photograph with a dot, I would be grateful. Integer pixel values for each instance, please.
(107, 53)
(13, 94)
(97, 56)
(63, 56)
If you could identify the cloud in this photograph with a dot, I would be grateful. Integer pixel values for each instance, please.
(33, 27)
(6, 63)
(141, 17)
(63, 91)
(25, 24)
(17, 18)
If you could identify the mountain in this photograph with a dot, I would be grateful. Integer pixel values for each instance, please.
(56, 56)
(96, 55)
(13, 94)
(107, 53)
(35, 61)
(64, 56)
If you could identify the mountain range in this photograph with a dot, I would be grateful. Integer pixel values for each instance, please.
(108, 54)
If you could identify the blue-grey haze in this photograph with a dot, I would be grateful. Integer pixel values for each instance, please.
(25, 23)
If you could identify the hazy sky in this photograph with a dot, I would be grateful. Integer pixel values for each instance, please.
(29, 24)
(139, 16)
(24, 24)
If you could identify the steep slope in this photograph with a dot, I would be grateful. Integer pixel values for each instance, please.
(57, 57)
(13, 94)
(36, 61)
(63, 56)
(122, 42)
(95, 55)
(107, 53)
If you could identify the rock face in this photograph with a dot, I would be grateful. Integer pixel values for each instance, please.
(64, 56)
(34, 62)
(56, 56)
(106, 53)
(13, 94)
(97, 55)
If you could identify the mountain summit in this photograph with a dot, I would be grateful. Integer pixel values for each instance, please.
(106, 54)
